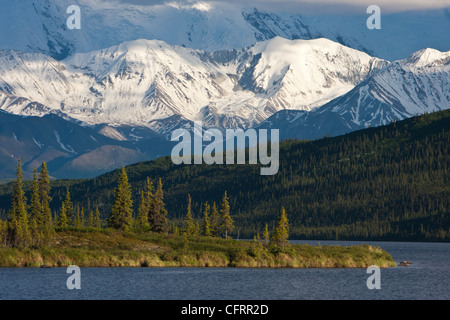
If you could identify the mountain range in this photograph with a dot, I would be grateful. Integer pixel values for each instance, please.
(40, 26)
(416, 85)
(90, 100)
(145, 81)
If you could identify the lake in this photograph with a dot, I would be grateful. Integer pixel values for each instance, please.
(427, 278)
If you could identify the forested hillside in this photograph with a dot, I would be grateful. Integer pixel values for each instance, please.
(385, 183)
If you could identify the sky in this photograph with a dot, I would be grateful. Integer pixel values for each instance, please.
(323, 6)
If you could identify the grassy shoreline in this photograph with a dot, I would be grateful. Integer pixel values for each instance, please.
(110, 248)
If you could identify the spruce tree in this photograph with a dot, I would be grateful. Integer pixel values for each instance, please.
(3, 233)
(158, 213)
(90, 222)
(227, 221)
(66, 213)
(97, 219)
(81, 219)
(44, 195)
(19, 232)
(63, 222)
(35, 234)
(121, 216)
(197, 228)
(175, 230)
(69, 207)
(142, 218)
(35, 211)
(281, 233)
(76, 219)
(266, 235)
(189, 225)
(215, 221)
(146, 214)
(257, 245)
(149, 194)
(206, 228)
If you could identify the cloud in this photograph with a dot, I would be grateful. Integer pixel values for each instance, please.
(319, 6)
(144, 2)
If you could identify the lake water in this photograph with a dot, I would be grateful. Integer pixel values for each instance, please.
(427, 278)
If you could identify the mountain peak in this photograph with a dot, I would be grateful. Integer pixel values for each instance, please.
(428, 56)
(276, 42)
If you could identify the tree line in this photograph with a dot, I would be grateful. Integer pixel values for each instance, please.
(29, 224)
(382, 183)
(34, 225)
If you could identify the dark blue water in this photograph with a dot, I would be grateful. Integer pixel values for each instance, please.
(427, 278)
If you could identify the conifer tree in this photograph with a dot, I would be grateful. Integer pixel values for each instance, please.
(174, 229)
(63, 222)
(189, 228)
(149, 194)
(90, 222)
(97, 220)
(266, 235)
(206, 228)
(227, 221)
(69, 207)
(215, 221)
(35, 211)
(147, 207)
(19, 232)
(66, 213)
(3, 233)
(76, 219)
(281, 233)
(44, 195)
(157, 212)
(35, 234)
(146, 212)
(142, 218)
(197, 228)
(81, 219)
(121, 216)
(257, 245)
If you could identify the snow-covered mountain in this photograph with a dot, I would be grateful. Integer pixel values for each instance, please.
(150, 83)
(40, 26)
(90, 100)
(404, 88)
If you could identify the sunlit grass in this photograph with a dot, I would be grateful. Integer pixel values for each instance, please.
(111, 248)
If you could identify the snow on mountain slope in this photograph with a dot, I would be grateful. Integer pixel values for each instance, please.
(418, 84)
(40, 26)
(144, 82)
(401, 33)
(27, 75)
(309, 73)
(405, 88)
